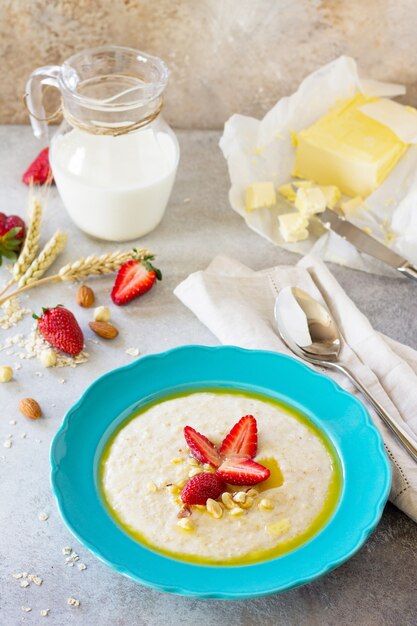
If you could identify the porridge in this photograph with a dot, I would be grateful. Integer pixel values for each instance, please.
(190, 477)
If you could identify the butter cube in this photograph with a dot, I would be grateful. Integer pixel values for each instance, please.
(260, 195)
(288, 192)
(310, 200)
(349, 207)
(331, 192)
(293, 227)
(348, 149)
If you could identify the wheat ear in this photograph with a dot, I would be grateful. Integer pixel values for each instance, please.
(86, 266)
(31, 242)
(30, 246)
(45, 259)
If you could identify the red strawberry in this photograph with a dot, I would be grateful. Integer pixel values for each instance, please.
(12, 232)
(240, 471)
(201, 487)
(39, 170)
(242, 441)
(14, 221)
(201, 448)
(133, 279)
(60, 328)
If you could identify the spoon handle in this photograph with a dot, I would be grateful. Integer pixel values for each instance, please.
(406, 440)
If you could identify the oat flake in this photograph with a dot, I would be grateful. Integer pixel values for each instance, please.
(34, 344)
(13, 313)
(132, 351)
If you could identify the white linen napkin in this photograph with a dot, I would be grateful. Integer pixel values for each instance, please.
(237, 305)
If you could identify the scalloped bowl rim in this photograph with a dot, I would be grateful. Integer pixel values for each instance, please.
(361, 534)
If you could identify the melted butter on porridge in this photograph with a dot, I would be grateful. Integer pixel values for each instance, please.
(146, 464)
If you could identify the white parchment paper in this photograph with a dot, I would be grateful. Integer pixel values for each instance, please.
(258, 150)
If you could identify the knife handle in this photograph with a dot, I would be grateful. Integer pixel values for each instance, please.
(408, 270)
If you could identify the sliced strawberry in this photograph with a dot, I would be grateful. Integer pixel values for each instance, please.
(39, 170)
(202, 487)
(201, 448)
(134, 279)
(242, 441)
(240, 471)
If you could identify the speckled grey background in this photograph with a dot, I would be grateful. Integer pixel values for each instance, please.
(225, 56)
(377, 587)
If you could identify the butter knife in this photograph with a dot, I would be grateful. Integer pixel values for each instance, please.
(366, 243)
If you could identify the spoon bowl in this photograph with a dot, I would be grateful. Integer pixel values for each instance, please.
(306, 326)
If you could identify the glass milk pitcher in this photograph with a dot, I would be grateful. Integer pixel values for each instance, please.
(113, 158)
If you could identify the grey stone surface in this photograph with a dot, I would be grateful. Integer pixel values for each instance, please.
(376, 587)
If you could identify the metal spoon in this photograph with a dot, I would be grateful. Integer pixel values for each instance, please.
(311, 333)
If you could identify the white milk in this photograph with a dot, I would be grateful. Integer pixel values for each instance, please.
(115, 188)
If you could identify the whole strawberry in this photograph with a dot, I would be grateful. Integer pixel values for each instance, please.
(12, 234)
(39, 170)
(133, 279)
(59, 327)
(202, 487)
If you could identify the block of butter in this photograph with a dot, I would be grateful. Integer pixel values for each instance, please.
(293, 227)
(260, 195)
(348, 149)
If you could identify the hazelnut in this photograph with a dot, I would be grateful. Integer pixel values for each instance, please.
(48, 357)
(102, 314)
(6, 374)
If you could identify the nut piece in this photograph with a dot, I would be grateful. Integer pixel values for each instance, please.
(239, 497)
(104, 329)
(48, 357)
(6, 374)
(279, 528)
(102, 314)
(252, 492)
(214, 508)
(227, 500)
(266, 504)
(85, 296)
(236, 511)
(247, 503)
(185, 523)
(194, 471)
(30, 408)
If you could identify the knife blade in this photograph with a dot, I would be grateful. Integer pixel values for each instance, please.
(365, 243)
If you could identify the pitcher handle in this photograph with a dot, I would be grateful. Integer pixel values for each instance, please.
(33, 98)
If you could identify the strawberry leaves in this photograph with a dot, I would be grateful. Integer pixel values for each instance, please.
(10, 244)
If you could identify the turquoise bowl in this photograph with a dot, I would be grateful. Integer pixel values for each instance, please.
(77, 447)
